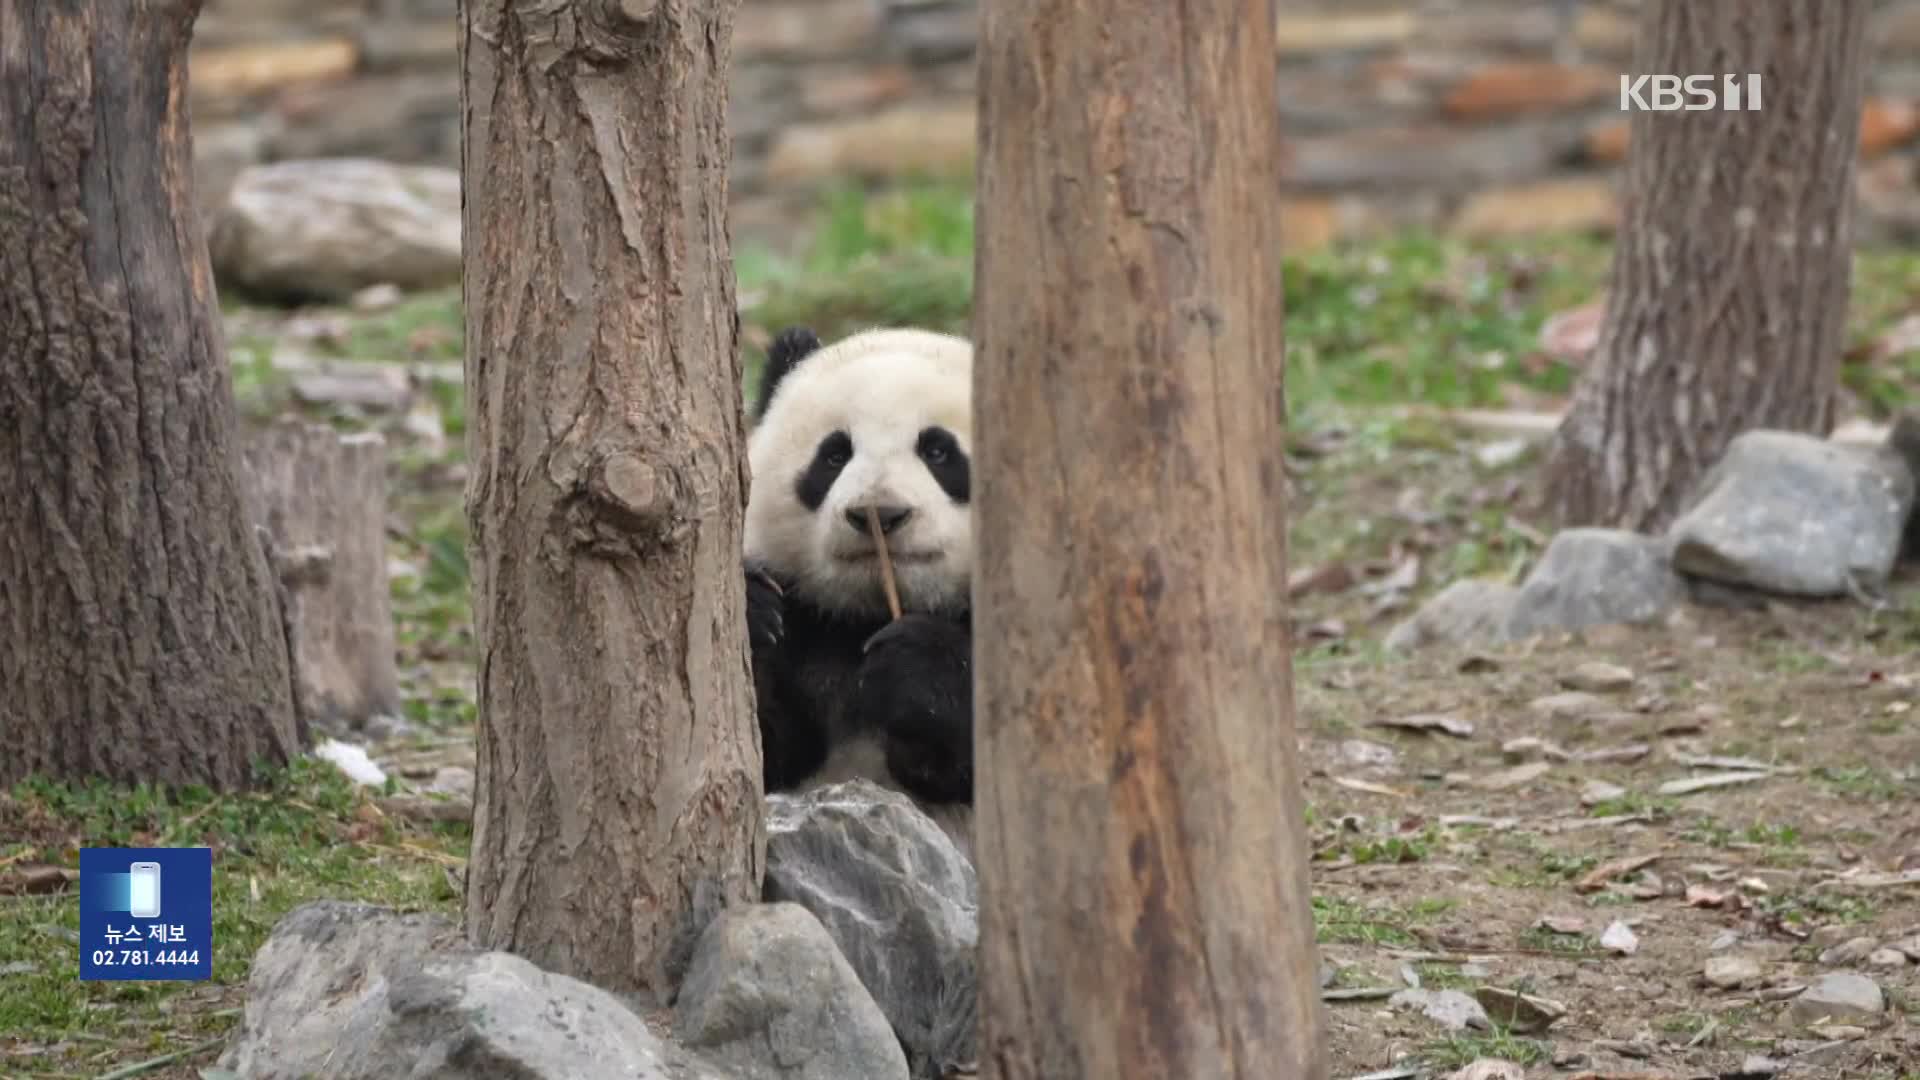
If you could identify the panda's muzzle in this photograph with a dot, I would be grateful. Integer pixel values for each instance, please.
(891, 517)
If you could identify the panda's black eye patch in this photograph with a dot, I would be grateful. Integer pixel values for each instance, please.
(946, 461)
(829, 458)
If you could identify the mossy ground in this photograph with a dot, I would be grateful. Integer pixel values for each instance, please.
(1400, 882)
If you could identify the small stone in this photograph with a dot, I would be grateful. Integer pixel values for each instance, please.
(1598, 678)
(1518, 776)
(1451, 1009)
(452, 780)
(1826, 937)
(1367, 755)
(1470, 610)
(1569, 705)
(372, 387)
(1732, 972)
(1619, 937)
(1488, 1069)
(1525, 1014)
(1849, 952)
(1499, 455)
(1887, 958)
(378, 297)
(1910, 946)
(1527, 747)
(1841, 996)
(1599, 791)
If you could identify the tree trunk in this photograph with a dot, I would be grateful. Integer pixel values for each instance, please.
(1728, 304)
(323, 497)
(618, 801)
(140, 633)
(1144, 891)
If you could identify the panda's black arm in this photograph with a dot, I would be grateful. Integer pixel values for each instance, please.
(916, 686)
(793, 744)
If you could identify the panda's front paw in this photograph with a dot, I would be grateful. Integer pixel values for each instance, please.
(766, 609)
(916, 687)
(927, 635)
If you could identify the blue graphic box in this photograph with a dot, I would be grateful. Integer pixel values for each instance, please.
(146, 913)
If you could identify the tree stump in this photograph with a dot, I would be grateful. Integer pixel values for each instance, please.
(322, 497)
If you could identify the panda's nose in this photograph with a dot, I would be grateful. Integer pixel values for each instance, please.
(891, 517)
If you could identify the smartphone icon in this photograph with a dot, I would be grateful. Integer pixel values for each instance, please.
(143, 893)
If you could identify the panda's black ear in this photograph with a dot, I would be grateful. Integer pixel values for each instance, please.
(790, 346)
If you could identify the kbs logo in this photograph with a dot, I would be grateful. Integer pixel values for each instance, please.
(1692, 93)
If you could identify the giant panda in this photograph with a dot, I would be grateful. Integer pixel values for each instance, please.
(881, 419)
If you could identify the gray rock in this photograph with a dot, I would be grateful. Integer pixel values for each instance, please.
(1849, 952)
(1839, 997)
(1887, 958)
(357, 992)
(325, 229)
(769, 997)
(1795, 514)
(1594, 577)
(1472, 610)
(900, 900)
(1731, 971)
(1451, 1009)
(1569, 705)
(1596, 677)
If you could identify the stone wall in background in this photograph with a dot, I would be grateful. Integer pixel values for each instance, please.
(1488, 116)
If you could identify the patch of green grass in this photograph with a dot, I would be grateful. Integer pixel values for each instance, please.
(427, 326)
(1444, 977)
(1391, 849)
(1459, 1051)
(1814, 907)
(1541, 939)
(1341, 921)
(1868, 783)
(1635, 804)
(304, 834)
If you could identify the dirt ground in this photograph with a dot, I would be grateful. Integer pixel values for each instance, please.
(1502, 855)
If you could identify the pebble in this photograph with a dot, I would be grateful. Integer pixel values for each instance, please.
(1598, 678)
(1839, 997)
(1732, 972)
(1887, 958)
(1570, 705)
(1849, 952)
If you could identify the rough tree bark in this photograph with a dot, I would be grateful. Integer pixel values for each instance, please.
(140, 630)
(1144, 892)
(618, 801)
(1728, 301)
(322, 495)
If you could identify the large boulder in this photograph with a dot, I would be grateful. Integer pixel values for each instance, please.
(1798, 515)
(1595, 577)
(769, 997)
(322, 230)
(356, 992)
(900, 900)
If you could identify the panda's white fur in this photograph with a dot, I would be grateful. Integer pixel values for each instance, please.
(883, 388)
